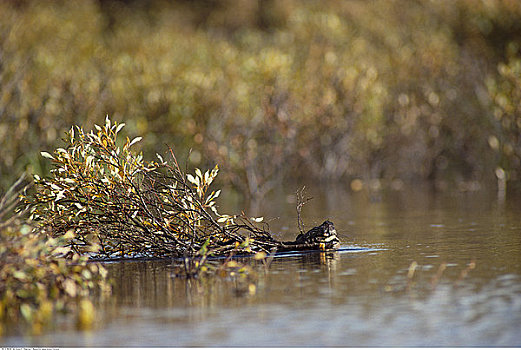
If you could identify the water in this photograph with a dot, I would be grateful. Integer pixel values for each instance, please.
(464, 291)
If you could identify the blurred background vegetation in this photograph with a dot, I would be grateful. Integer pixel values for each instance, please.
(379, 92)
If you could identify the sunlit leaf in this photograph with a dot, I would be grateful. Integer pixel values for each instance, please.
(68, 235)
(120, 126)
(192, 179)
(60, 195)
(70, 287)
(47, 155)
(135, 140)
(61, 250)
(160, 158)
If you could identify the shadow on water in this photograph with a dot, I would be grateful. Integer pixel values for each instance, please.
(414, 270)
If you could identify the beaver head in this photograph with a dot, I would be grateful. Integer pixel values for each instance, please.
(323, 234)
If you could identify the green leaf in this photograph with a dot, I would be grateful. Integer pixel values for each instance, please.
(20, 275)
(26, 311)
(23, 294)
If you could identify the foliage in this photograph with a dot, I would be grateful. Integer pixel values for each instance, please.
(505, 138)
(36, 279)
(111, 198)
(271, 91)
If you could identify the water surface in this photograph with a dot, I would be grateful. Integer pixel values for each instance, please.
(434, 270)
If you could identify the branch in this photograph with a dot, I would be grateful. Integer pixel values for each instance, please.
(300, 203)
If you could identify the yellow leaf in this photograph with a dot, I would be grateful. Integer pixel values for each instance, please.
(86, 314)
(26, 311)
(252, 289)
(70, 287)
(61, 250)
(68, 235)
(20, 275)
(232, 263)
(260, 256)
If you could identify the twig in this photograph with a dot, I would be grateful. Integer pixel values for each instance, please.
(300, 203)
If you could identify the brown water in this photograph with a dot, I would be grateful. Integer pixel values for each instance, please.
(360, 297)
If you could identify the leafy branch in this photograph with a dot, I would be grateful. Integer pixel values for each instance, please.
(110, 197)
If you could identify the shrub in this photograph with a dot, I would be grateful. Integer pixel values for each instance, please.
(36, 280)
(111, 198)
(315, 90)
(505, 137)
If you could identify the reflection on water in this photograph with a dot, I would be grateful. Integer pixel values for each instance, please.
(434, 271)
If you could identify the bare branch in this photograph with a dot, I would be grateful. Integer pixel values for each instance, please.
(300, 203)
